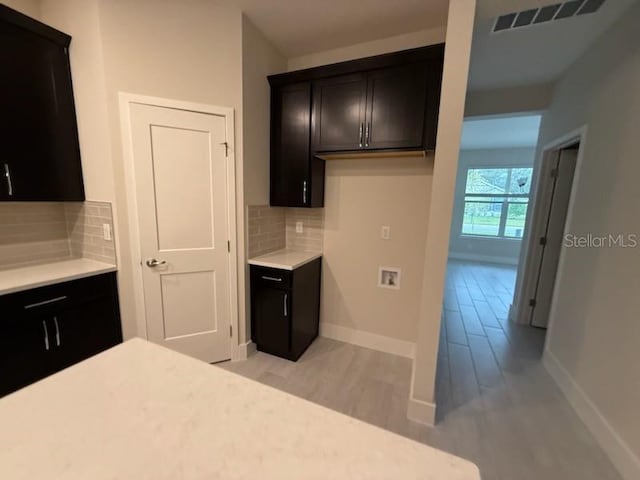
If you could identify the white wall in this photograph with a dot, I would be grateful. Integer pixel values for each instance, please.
(593, 345)
(500, 250)
(505, 101)
(28, 7)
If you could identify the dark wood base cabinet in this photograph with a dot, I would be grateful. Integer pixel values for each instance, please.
(285, 308)
(47, 329)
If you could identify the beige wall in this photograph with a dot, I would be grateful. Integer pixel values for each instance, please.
(501, 250)
(28, 7)
(367, 49)
(360, 197)
(454, 86)
(595, 332)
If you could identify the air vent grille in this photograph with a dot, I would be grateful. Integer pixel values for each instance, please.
(546, 14)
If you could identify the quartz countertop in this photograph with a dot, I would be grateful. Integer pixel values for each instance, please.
(33, 276)
(142, 411)
(285, 259)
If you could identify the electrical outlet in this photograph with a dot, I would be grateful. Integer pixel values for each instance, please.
(386, 232)
(299, 227)
(106, 231)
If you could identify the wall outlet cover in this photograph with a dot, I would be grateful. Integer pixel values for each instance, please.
(299, 227)
(106, 231)
(386, 232)
(389, 277)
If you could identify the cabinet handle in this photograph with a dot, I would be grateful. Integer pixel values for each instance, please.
(7, 174)
(273, 279)
(45, 302)
(360, 135)
(304, 191)
(55, 321)
(46, 335)
(285, 304)
(366, 135)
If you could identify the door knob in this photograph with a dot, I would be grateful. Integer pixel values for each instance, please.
(154, 263)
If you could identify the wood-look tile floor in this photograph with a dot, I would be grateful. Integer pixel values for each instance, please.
(497, 406)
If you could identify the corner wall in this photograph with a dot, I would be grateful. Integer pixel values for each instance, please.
(593, 342)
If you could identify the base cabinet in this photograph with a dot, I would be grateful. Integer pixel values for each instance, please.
(285, 308)
(47, 329)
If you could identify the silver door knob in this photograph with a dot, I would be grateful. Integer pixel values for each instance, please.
(154, 263)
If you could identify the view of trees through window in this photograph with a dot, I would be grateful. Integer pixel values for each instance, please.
(496, 201)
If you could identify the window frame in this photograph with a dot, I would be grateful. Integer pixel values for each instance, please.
(504, 200)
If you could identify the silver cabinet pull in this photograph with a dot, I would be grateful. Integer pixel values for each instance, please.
(366, 136)
(360, 135)
(7, 174)
(304, 191)
(45, 302)
(285, 304)
(55, 321)
(46, 335)
(273, 279)
(152, 263)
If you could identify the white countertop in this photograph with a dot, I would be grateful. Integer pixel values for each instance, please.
(285, 259)
(140, 411)
(33, 276)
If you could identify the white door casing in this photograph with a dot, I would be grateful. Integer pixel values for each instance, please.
(184, 210)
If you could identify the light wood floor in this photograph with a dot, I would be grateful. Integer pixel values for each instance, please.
(497, 406)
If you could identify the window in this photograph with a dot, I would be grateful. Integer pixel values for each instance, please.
(496, 201)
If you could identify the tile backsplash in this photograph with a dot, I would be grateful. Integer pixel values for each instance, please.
(273, 228)
(41, 232)
(85, 228)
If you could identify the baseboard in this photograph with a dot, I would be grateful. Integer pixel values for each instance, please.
(368, 340)
(483, 258)
(620, 454)
(244, 351)
(421, 412)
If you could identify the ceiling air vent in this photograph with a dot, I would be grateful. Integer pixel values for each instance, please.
(546, 14)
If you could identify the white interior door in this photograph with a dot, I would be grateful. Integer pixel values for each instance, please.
(553, 234)
(183, 212)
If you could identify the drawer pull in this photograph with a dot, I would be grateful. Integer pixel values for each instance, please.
(45, 302)
(273, 279)
(55, 321)
(46, 335)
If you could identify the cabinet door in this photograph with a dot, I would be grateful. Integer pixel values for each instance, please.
(26, 352)
(40, 156)
(271, 323)
(290, 152)
(338, 113)
(85, 330)
(396, 101)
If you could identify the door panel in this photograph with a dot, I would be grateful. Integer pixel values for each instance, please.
(290, 155)
(339, 113)
(181, 181)
(554, 234)
(396, 107)
(272, 326)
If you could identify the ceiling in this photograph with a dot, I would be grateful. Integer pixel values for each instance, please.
(511, 132)
(532, 55)
(299, 27)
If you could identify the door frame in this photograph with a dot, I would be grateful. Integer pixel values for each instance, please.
(125, 101)
(530, 257)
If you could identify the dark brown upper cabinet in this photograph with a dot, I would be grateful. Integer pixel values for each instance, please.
(40, 150)
(378, 105)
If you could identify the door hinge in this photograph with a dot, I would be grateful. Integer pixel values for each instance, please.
(554, 173)
(226, 148)
(229, 246)
(231, 330)
(543, 241)
(532, 302)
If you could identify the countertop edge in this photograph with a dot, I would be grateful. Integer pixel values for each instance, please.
(282, 266)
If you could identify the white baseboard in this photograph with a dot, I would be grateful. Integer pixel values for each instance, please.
(244, 351)
(421, 412)
(620, 454)
(483, 258)
(368, 340)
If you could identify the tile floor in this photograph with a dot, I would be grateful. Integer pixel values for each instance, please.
(497, 406)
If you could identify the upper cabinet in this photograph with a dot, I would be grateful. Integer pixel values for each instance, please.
(378, 105)
(40, 152)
